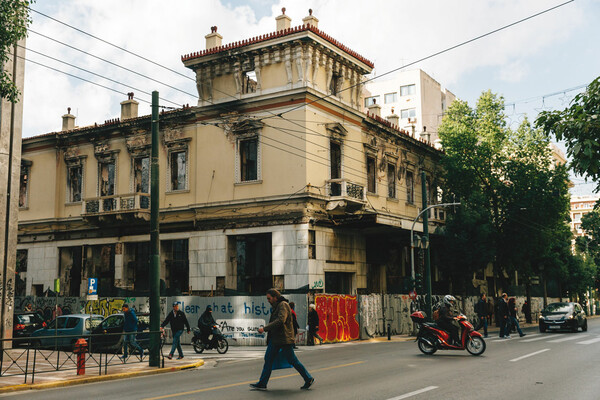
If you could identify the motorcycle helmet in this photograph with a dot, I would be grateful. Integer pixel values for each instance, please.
(449, 300)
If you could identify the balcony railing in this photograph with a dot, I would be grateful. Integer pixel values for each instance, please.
(345, 189)
(137, 203)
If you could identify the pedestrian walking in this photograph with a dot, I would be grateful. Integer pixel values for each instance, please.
(526, 310)
(294, 321)
(504, 317)
(130, 327)
(490, 311)
(512, 312)
(481, 310)
(178, 321)
(313, 326)
(280, 338)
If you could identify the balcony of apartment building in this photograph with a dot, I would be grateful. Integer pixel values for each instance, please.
(119, 207)
(345, 196)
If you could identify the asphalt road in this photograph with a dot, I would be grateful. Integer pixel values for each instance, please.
(537, 366)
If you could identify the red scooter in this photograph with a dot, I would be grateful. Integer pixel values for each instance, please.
(432, 338)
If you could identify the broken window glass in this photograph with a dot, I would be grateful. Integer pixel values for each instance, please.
(74, 182)
(178, 170)
(23, 186)
(391, 175)
(410, 190)
(248, 159)
(371, 171)
(107, 178)
(141, 175)
(335, 154)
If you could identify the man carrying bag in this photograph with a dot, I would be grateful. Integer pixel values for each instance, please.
(280, 338)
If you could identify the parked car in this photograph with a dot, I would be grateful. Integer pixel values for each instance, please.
(24, 324)
(557, 316)
(73, 326)
(112, 326)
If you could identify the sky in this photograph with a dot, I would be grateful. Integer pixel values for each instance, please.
(540, 64)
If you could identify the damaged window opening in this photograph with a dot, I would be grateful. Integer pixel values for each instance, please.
(335, 154)
(410, 190)
(24, 186)
(391, 175)
(248, 159)
(254, 270)
(249, 82)
(74, 183)
(312, 244)
(335, 84)
(107, 178)
(178, 161)
(141, 175)
(371, 172)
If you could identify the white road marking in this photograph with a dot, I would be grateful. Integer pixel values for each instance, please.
(416, 392)
(567, 338)
(529, 355)
(589, 341)
(541, 338)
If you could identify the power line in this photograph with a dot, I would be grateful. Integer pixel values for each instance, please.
(442, 51)
(95, 74)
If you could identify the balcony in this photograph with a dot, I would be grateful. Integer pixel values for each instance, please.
(126, 207)
(345, 196)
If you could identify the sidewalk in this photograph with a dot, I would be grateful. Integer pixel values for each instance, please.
(47, 377)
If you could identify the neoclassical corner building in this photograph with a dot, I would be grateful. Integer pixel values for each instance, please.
(278, 177)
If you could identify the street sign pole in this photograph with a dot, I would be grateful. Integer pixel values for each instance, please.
(154, 359)
(426, 245)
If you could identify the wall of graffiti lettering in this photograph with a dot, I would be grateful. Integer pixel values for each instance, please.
(337, 317)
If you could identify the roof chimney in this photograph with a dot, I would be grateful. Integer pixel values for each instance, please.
(394, 119)
(129, 108)
(68, 121)
(283, 21)
(311, 20)
(375, 108)
(213, 39)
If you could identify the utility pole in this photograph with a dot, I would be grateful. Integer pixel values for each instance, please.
(154, 359)
(425, 241)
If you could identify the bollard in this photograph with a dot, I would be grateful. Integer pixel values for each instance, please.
(389, 332)
(80, 349)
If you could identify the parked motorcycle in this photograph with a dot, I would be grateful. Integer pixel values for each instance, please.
(432, 338)
(216, 340)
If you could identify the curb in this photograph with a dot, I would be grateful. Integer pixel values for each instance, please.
(92, 379)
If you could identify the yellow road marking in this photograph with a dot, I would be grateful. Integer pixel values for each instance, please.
(245, 383)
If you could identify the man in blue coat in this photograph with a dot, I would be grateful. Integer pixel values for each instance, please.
(130, 327)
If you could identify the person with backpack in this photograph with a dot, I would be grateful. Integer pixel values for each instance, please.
(446, 320)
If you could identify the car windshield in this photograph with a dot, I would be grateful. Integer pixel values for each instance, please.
(91, 323)
(26, 319)
(114, 321)
(558, 308)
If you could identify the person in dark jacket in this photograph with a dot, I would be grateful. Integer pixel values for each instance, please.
(527, 311)
(294, 321)
(178, 321)
(130, 327)
(206, 323)
(512, 312)
(280, 337)
(503, 316)
(313, 326)
(446, 321)
(481, 310)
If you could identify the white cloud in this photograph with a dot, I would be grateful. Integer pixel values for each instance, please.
(386, 32)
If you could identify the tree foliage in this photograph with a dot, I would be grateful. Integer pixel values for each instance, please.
(14, 15)
(514, 201)
(579, 126)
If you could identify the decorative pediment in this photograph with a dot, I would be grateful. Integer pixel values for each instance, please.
(336, 130)
(138, 143)
(102, 150)
(72, 155)
(174, 138)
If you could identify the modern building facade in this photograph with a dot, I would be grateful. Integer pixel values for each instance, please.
(581, 205)
(415, 97)
(275, 178)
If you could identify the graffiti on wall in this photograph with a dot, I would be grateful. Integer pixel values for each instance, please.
(104, 307)
(337, 317)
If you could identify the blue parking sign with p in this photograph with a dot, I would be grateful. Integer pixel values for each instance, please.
(92, 286)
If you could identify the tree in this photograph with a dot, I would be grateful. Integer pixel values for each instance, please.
(514, 202)
(579, 126)
(15, 20)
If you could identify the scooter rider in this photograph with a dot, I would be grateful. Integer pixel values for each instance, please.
(447, 322)
(206, 323)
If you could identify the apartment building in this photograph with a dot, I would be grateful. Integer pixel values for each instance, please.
(276, 178)
(581, 205)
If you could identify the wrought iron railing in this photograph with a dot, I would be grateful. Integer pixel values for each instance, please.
(346, 189)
